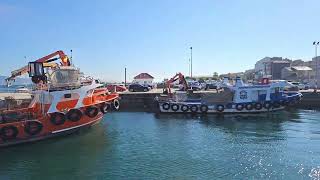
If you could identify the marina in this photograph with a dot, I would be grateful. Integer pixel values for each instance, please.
(159, 90)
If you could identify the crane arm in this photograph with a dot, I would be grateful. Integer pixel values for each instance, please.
(64, 58)
(46, 59)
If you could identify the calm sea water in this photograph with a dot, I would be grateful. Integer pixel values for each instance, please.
(125, 145)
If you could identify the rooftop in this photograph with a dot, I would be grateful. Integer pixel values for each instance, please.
(301, 68)
(143, 76)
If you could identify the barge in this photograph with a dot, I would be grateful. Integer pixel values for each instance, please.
(238, 98)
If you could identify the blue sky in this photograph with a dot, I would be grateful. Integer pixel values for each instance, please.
(155, 36)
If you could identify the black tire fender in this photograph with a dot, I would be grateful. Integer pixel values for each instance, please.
(9, 132)
(105, 108)
(116, 104)
(166, 106)
(33, 127)
(185, 108)
(249, 106)
(267, 105)
(258, 106)
(175, 107)
(239, 107)
(92, 111)
(220, 108)
(74, 115)
(204, 108)
(57, 118)
(194, 108)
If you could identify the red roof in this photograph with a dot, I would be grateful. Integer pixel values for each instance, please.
(143, 76)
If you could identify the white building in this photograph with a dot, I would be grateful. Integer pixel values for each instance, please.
(267, 67)
(143, 79)
(260, 65)
(316, 67)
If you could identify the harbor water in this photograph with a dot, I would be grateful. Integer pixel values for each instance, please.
(137, 145)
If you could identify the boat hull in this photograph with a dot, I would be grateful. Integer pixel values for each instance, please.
(50, 131)
(212, 109)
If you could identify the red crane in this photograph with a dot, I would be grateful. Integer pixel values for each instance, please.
(181, 79)
(46, 59)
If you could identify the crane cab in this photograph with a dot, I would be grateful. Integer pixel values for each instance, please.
(36, 72)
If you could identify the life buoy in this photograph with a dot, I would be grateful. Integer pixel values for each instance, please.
(194, 108)
(220, 108)
(74, 115)
(239, 107)
(267, 105)
(116, 104)
(57, 118)
(276, 104)
(105, 107)
(166, 106)
(258, 106)
(184, 108)
(92, 111)
(8, 132)
(174, 107)
(33, 127)
(204, 108)
(249, 106)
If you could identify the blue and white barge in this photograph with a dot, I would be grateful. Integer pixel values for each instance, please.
(237, 98)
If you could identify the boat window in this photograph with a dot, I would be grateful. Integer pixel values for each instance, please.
(65, 77)
(36, 69)
(67, 96)
(262, 92)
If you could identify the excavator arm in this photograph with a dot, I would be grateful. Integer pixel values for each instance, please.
(181, 79)
(46, 60)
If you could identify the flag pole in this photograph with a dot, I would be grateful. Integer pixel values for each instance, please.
(191, 60)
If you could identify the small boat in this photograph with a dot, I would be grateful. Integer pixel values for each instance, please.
(62, 101)
(238, 98)
(22, 89)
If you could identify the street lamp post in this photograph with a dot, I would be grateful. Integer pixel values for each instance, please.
(189, 66)
(191, 60)
(125, 77)
(316, 44)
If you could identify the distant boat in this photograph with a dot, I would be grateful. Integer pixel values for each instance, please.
(22, 89)
(239, 98)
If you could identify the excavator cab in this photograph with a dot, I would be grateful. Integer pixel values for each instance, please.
(36, 72)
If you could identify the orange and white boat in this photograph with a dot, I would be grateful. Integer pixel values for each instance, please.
(62, 101)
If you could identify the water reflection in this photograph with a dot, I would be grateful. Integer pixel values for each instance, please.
(232, 123)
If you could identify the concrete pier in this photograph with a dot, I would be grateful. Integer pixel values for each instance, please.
(144, 101)
(138, 102)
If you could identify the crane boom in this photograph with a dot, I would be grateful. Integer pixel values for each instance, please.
(46, 59)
